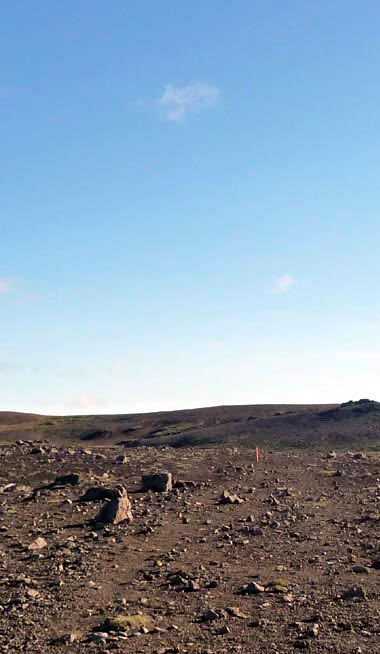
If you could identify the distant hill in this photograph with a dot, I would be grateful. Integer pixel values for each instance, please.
(352, 425)
(15, 418)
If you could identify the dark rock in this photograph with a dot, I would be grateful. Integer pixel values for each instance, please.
(71, 479)
(210, 615)
(160, 482)
(121, 458)
(355, 592)
(99, 494)
(252, 588)
(360, 569)
(179, 483)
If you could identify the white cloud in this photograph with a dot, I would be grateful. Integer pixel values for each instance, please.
(283, 283)
(87, 402)
(5, 285)
(178, 101)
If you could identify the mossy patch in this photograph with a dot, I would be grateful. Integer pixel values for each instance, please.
(280, 582)
(177, 428)
(125, 622)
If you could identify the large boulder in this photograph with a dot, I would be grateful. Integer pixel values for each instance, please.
(117, 510)
(99, 494)
(160, 482)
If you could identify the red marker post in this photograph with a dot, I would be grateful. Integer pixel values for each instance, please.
(257, 455)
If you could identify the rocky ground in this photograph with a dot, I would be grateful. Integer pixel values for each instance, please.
(269, 557)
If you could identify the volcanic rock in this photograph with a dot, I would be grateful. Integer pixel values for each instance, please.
(160, 482)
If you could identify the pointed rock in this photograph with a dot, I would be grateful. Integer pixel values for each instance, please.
(116, 510)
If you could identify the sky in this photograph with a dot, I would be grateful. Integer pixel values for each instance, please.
(189, 203)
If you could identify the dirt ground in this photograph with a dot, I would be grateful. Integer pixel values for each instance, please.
(293, 564)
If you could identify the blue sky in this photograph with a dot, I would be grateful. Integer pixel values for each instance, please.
(189, 203)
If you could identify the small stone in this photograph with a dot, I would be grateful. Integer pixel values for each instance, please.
(37, 450)
(313, 631)
(72, 637)
(121, 459)
(236, 612)
(228, 498)
(8, 488)
(223, 630)
(360, 569)
(32, 593)
(252, 588)
(38, 544)
(355, 592)
(210, 615)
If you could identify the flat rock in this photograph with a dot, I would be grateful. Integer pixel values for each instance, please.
(38, 544)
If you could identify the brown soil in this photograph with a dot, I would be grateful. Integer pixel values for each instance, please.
(171, 580)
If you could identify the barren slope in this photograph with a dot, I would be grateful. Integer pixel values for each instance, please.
(354, 425)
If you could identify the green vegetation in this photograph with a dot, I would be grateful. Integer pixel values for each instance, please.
(177, 428)
(124, 622)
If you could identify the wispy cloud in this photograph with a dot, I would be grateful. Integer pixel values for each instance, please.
(178, 101)
(87, 402)
(283, 283)
(5, 285)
